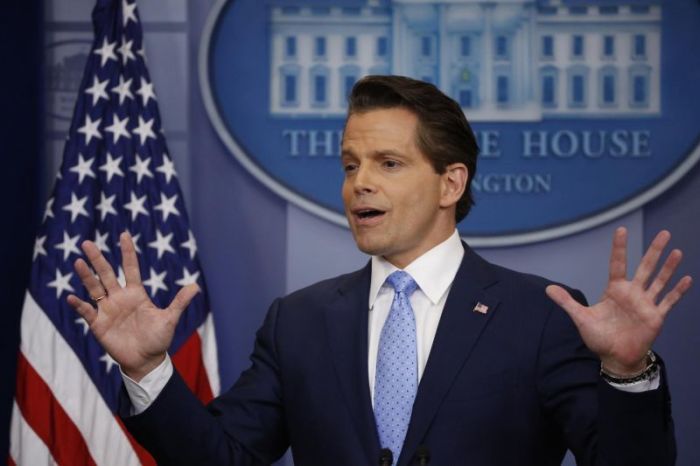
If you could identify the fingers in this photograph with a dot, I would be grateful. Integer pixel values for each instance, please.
(564, 299)
(83, 308)
(91, 283)
(651, 257)
(182, 300)
(664, 275)
(130, 261)
(618, 255)
(675, 294)
(101, 266)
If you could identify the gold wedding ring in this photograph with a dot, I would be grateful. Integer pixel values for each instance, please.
(96, 300)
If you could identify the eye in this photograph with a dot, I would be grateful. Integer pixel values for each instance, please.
(390, 164)
(349, 167)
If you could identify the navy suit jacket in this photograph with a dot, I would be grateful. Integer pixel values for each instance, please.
(513, 386)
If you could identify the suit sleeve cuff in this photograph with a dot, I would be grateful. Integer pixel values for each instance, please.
(143, 393)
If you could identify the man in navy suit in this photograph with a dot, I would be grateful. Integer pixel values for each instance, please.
(456, 361)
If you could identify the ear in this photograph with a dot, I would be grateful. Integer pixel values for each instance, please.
(454, 182)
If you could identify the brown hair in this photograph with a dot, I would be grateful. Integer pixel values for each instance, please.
(443, 133)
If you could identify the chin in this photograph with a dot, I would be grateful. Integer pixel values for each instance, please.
(372, 241)
(369, 247)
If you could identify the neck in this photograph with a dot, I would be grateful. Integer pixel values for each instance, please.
(402, 261)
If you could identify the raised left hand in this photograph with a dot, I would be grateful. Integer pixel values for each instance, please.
(621, 328)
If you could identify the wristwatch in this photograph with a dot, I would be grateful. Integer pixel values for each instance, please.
(649, 372)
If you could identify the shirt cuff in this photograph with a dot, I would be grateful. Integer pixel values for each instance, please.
(641, 386)
(143, 393)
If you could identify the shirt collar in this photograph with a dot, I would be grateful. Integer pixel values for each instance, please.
(434, 271)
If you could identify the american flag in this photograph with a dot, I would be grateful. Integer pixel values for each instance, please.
(481, 308)
(116, 175)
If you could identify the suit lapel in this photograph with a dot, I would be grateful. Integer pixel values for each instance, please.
(347, 323)
(458, 331)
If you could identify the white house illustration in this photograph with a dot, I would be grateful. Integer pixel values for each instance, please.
(505, 60)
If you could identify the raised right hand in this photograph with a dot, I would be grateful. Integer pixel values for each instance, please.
(134, 332)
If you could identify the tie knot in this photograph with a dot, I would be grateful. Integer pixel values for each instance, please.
(402, 282)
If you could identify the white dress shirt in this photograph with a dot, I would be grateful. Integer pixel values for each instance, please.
(433, 272)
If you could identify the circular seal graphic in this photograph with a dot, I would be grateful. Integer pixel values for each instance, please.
(582, 113)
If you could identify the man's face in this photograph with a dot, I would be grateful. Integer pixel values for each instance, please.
(395, 202)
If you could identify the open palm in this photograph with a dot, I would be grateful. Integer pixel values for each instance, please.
(133, 330)
(622, 327)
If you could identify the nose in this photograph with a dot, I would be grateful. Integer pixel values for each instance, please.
(363, 181)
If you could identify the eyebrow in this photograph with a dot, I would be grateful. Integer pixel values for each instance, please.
(346, 153)
(377, 153)
(390, 152)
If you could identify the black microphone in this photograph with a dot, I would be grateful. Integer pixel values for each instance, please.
(386, 458)
(423, 455)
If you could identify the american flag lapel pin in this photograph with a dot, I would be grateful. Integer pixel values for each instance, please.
(481, 308)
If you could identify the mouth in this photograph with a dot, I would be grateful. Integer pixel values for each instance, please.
(367, 215)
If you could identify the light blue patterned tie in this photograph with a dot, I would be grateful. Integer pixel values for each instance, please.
(396, 379)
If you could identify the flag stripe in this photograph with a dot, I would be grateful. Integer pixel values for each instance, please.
(48, 419)
(188, 361)
(73, 388)
(25, 447)
(210, 353)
